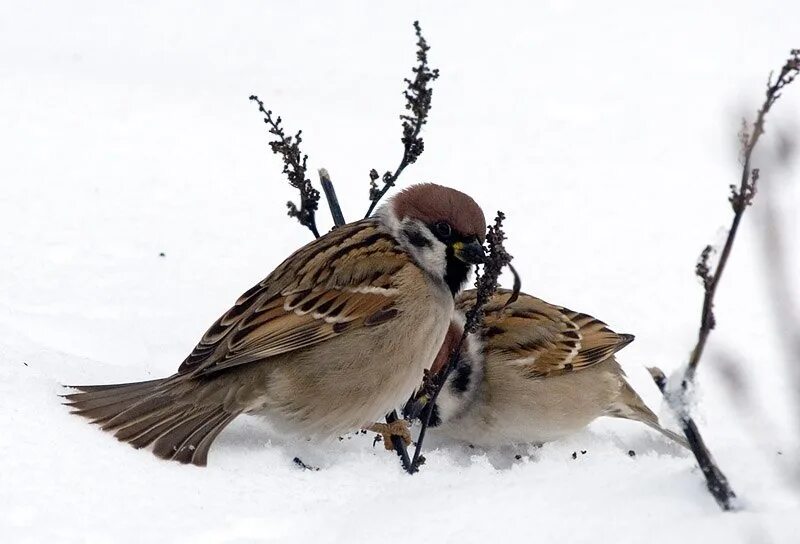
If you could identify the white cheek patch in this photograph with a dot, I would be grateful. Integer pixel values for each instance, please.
(430, 256)
(433, 259)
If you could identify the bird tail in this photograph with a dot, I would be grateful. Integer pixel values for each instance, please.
(631, 406)
(154, 412)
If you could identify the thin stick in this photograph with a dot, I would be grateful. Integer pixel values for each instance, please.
(716, 481)
(330, 195)
(399, 445)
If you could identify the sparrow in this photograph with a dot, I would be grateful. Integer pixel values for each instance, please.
(533, 373)
(335, 337)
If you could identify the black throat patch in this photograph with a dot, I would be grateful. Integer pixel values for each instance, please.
(456, 272)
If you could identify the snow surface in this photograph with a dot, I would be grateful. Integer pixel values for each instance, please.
(605, 131)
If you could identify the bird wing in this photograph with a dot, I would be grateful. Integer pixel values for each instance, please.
(339, 282)
(544, 339)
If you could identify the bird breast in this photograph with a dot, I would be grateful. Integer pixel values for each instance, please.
(357, 378)
(512, 408)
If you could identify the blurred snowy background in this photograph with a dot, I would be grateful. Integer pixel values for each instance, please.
(605, 131)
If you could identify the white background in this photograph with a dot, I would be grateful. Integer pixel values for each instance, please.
(605, 131)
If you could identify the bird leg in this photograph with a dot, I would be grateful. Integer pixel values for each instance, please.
(398, 427)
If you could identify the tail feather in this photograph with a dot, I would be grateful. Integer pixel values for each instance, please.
(192, 436)
(173, 440)
(101, 409)
(145, 430)
(200, 456)
(157, 412)
(153, 405)
(112, 389)
(631, 406)
(669, 434)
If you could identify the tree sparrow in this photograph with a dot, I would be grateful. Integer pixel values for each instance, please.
(333, 339)
(534, 372)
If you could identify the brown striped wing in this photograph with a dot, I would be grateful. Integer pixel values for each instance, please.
(546, 340)
(342, 280)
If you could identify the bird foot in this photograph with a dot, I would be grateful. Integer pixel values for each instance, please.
(398, 427)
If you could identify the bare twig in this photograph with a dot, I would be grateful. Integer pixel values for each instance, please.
(418, 102)
(294, 166)
(486, 285)
(741, 197)
(716, 481)
(330, 195)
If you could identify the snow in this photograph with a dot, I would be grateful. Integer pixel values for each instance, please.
(606, 132)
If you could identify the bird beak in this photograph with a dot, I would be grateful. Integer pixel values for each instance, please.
(470, 252)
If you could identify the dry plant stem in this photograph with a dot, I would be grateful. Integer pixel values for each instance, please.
(418, 102)
(740, 199)
(716, 481)
(294, 166)
(486, 285)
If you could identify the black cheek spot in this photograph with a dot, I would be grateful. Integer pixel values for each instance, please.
(416, 239)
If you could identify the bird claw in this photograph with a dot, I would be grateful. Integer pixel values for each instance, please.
(398, 427)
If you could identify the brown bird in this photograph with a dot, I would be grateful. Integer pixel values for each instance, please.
(533, 373)
(333, 339)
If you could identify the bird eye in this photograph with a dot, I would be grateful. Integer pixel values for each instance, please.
(443, 229)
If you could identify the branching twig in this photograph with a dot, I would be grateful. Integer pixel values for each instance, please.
(294, 166)
(741, 197)
(486, 285)
(418, 102)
